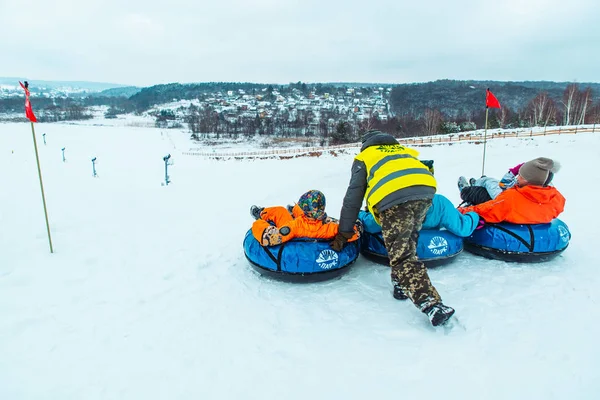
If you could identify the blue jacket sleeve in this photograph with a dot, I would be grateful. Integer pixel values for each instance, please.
(464, 224)
(443, 214)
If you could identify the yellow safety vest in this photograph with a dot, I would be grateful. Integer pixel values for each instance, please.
(391, 167)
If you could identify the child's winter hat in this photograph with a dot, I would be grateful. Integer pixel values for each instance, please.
(313, 204)
(539, 171)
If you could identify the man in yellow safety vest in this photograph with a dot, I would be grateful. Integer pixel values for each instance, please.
(398, 189)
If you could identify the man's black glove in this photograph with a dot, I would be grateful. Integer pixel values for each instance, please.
(340, 240)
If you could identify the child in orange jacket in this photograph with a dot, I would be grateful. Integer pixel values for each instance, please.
(307, 219)
(530, 201)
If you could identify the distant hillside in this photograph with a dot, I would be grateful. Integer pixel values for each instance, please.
(159, 94)
(81, 85)
(446, 106)
(457, 98)
(359, 84)
(126, 91)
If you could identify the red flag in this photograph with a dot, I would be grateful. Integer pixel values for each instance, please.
(28, 111)
(490, 100)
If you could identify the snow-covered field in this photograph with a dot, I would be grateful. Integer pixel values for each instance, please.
(149, 295)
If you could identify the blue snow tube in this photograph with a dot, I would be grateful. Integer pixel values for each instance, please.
(300, 260)
(520, 242)
(435, 246)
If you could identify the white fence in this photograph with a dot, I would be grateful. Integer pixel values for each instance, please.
(475, 136)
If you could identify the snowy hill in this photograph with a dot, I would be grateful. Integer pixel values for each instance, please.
(10, 87)
(149, 295)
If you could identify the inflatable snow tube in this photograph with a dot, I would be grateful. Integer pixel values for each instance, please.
(434, 247)
(300, 260)
(520, 242)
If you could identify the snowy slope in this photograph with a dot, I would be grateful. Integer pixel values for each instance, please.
(149, 296)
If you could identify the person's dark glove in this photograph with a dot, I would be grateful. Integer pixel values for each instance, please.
(340, 240)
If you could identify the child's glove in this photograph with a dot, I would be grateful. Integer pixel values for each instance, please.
(480, 224)
(330, 220)
(360, 227)
(515, 170)
(272, 236)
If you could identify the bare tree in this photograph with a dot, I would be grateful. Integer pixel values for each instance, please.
(585, 98)
(502, 116)
(541, 110)
(569, 99)
(367, 123)
(431, 119)
(594, 114)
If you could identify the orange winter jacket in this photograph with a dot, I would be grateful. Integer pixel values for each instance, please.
(522, 205)
(299, 225)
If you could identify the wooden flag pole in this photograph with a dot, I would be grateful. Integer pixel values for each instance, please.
(37, 158)
(484, 140)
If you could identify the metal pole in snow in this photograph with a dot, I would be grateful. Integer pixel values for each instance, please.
(63, 153)
(484, 140)
(166, 160)
(94, 166)
(37, 158)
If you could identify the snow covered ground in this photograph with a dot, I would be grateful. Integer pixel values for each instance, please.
(149, 295)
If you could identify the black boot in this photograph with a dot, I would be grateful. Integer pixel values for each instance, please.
(399, 294)
(439, 314)
(462, 183)
(255, 211)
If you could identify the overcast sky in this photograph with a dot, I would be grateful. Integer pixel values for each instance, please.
(280, 41)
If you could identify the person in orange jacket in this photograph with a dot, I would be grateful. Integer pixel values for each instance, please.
(306, 219)
(530, 201)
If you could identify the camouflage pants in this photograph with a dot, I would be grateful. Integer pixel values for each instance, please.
(400, 226)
